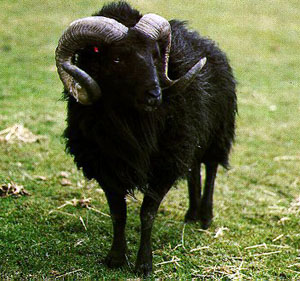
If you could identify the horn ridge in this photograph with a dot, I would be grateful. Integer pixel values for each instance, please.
(154, 26)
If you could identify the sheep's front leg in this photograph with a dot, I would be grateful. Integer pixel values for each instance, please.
(194, 186)
(149, 209)
(117, 254)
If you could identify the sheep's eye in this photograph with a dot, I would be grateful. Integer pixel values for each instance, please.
(117, 60)
(75, 58)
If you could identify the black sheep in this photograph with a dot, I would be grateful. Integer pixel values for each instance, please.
(148, 114)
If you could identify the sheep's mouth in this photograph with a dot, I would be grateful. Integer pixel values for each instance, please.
(148, 108)
(150, 105)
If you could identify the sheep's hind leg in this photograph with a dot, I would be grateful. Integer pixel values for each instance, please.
(206, 207)
(117, 254)
(148, 212)
(201, 209)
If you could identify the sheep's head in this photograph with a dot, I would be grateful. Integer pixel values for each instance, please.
(98, 55)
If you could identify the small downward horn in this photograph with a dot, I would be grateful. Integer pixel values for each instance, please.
(184, 81)
(80, 33)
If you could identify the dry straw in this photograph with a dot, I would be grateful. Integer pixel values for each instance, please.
(12, 189)
(18, 133)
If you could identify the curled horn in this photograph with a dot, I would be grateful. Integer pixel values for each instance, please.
(80, 33)
(158, 28)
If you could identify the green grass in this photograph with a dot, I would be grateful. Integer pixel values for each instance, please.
(255, 202)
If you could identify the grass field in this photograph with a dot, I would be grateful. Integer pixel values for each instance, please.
(256, 231)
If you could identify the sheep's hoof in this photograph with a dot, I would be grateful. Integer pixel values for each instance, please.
(115, 260)
(205, 223)
(194, 217)
(144, 269)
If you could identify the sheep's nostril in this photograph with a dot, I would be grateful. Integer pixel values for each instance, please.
(153, 97)
(154, 93)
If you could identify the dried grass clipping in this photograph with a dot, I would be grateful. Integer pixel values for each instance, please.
(17, 133)
(287, 158)
(12, 189)
(84, 203)
(295, 207)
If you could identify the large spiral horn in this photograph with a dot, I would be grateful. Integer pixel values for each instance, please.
(158, 28)
(80, 33)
